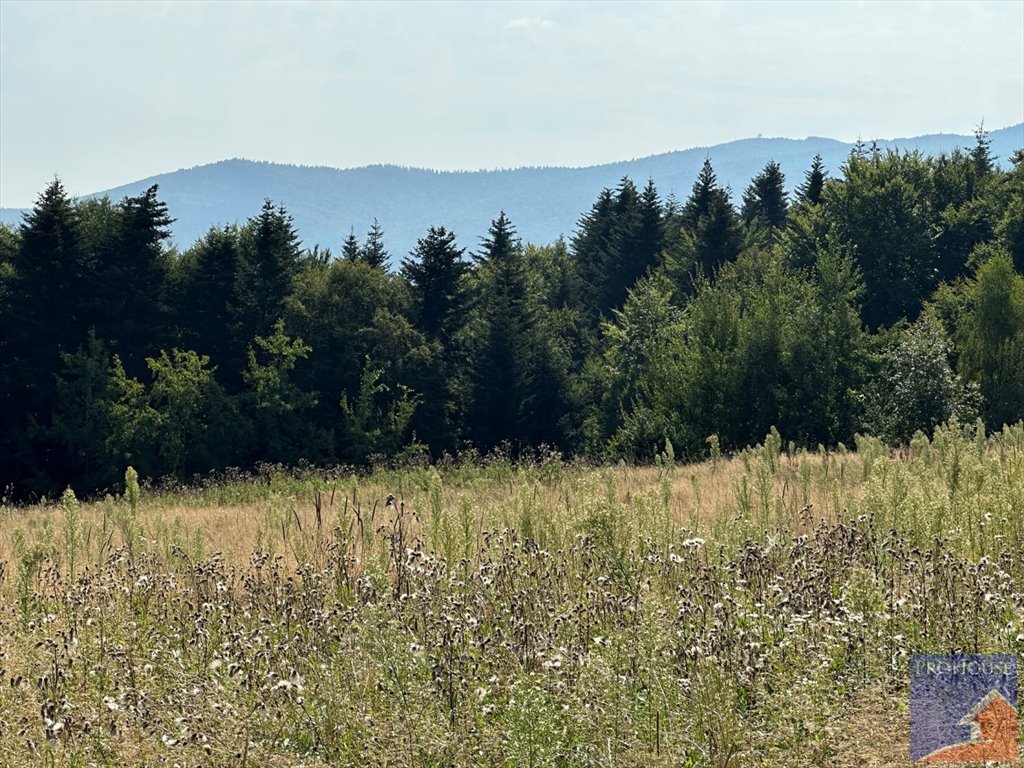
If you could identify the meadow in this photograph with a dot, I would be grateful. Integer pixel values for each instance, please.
(756, 609)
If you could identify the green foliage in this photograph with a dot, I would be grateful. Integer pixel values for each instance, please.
(765, 201)
(882, 211)
(375, 423)
(809, 191)
(350, 248)
(657, 322)
(618, 241)
(268, 263)
(83, 418)
(990, 339)
(205, 287)
(642, 349)
(915, 389)
(1010, 226)
(185, 415)
(131, 490)
(277, 406)
(436, 274)
(704, 235)
(517, 383)
(372, 251)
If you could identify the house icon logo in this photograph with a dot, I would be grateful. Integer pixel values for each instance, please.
(963, 708)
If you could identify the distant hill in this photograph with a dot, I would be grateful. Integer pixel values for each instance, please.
(543, 203)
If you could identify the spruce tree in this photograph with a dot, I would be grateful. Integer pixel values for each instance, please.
(616, 243)
(637, 240)
(131, 282)
(269, 263)
(435, 272)
(593, 246)
(764, 201)
(373, 251)
(704, 191)
(981, 153)
(712, 223)
(208, 307)
(809, 192)
(49, 312)
(350, 248)
(502, 368)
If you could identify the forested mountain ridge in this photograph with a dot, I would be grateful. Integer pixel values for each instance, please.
(327, 203)
(885, 298)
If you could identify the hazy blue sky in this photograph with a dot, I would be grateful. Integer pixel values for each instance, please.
(106, 93)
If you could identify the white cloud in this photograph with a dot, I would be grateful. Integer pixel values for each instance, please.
(530, 22)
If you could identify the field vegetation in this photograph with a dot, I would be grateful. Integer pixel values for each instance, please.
(756, 609)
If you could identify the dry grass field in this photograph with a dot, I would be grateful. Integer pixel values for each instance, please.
(752, 610)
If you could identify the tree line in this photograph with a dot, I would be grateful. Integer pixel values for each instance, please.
(885, 300)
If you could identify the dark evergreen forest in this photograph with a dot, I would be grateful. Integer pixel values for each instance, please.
(886, 300)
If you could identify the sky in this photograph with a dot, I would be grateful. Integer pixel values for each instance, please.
(105, 93)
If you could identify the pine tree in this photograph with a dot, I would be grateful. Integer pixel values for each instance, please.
(637, 240)
(269, 264)
(51, 271)
(702, 196)
(617, 242)
(208, 306)
(651, 236)
(373, 251)
(981, 153)
(809, 192)
(350, 248)
(49, 313)
(764, 201)
(435, 272)
(593, 246)
(131, 281)
(711, 224)
(502, 368)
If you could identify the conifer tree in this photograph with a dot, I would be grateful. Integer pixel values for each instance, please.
(593, 245)
(208, 307)
(764, 201)
(49, 313)
(131, 281)
(350, 248)
(809, 192)
(616, 243)
(373, 251)
(435, 273)
(638, 238)
(502, 366)
(710, 228)
(269, 264)
(981, 153)
(51, 271)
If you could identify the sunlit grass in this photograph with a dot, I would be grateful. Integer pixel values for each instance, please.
(541, 613)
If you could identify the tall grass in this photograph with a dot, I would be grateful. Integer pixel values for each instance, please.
(539, 613)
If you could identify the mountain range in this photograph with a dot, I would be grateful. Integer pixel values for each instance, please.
(543, 203)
